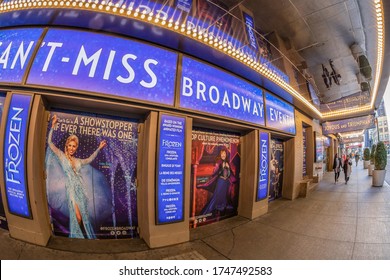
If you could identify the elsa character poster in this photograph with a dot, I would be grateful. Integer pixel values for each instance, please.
(91, 171)
(215, 176)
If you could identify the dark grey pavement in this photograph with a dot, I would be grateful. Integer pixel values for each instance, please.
(335, 222)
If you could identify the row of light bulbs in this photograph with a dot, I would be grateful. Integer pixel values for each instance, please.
(207, 39)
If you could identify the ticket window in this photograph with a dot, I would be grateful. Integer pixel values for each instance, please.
(91, 164)
(215, 182)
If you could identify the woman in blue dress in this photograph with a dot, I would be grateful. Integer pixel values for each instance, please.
(222, 179)
(79, 222)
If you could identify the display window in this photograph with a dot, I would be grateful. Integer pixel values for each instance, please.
(3, 219)
(91, 163)
(215, 160)
(276, 168)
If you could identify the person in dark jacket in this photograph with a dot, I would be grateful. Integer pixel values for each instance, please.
(337, 164)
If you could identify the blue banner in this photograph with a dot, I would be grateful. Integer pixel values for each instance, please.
(15, 155)
(206, 89)
(170, 170)
(280, 115)
(250, 33)
(262, 187)
(184, 5)
(105, 64)
(16, 48)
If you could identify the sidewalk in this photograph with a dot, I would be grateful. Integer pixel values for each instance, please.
(337, 221)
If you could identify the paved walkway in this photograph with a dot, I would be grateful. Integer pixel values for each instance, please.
(337, 222)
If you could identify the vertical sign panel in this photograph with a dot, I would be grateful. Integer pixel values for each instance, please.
(304, 172)
(170, 170)
(262, 187)
(3, 219)
(15, 140)
(249, 28)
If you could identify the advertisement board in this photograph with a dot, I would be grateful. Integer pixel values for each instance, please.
(105, 64)
(15, 145)
(347, 125)
(170, 169)
(207, 89)
(215, 169)
(3, 219)
(16, 49)
(91, 163)
(262, 187)
(319, 146)
(276, 169)
(279, 114)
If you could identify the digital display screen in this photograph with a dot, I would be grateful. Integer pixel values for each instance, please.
(16, 49)
(170, 170)
(15, 140)
(262, 188)
(105, 64)
(280, 115)
(207, 89)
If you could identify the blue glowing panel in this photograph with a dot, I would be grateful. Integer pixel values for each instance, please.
(170, 170)
(184, 5)
(16, 48)
(105, 64)
(250, 33)
(280, 115)
(262, 187)
(15, 139)
(206, 89)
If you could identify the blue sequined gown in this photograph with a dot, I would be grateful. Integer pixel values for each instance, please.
(75, 191)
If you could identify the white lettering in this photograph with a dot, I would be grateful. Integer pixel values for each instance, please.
(153, 82)
(129, 69)
(83, 57)
(53, 47)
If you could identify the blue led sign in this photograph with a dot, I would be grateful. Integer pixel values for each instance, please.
(262, 187)
(105, 64)
(250, 33)
(16, 48)
(170, 170)
(280, 115)
(206, 89)
(15, 155)
(184, 5)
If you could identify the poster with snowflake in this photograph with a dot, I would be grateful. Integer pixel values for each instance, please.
(91, 163)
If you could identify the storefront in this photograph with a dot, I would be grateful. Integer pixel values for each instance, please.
(109, 137)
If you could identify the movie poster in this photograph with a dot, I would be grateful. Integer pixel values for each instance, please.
(91, 172)
(276, 168)
(3, 219)
(215, 169)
